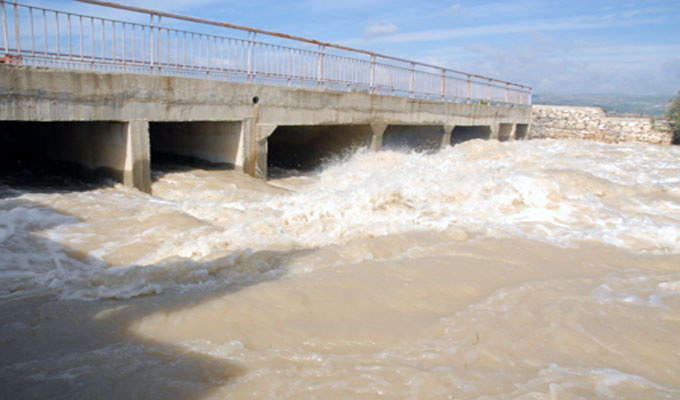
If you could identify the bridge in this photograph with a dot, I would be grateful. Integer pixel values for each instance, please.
(111, 95)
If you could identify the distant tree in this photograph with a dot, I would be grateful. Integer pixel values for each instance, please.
(673, 115)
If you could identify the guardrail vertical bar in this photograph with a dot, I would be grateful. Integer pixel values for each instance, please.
(113, 41)
(488, 95)
(133, 57)
(469, 89)
(70, 48)
(92, 37)
(30, 15)
(81, 38)
(56, 19)
(320, 70)
(4, 28)
(412, 83)
(443, 93)
(44, 31)
(103, 40)
(124, 55)
(16, 27)
(158, 45)
(371, 82)
(151, 60)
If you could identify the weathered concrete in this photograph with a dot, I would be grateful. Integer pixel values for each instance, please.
(214, 142)
(593, 123)
(220, 121)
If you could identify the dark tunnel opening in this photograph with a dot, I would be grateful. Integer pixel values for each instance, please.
(63, 154)
(521, 131)
(294, 149)
(463, 133)
(189, 145)
(418, 138)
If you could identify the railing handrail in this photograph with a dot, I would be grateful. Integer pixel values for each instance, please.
(214, 55)
(286, 36)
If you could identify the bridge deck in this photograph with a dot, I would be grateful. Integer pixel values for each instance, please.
(262, 104)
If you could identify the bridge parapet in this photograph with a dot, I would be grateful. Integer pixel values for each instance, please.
(166, 46)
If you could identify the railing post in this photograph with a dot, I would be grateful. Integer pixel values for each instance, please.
(250, 56)
(151, 49)
(507, 93)
(469, 88)
(371, 82)
(488, 95)
(30, 12)
(159, 44)
(443, 84)
(16, 25)
(321, 67)
(412, 84)
(4, 27)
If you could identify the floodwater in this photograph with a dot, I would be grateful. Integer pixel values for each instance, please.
(532, 270)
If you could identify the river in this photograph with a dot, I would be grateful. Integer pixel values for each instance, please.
(536, 270)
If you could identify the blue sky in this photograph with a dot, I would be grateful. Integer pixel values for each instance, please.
(561, 47)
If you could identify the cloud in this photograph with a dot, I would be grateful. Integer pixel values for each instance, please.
(380, 29)
(454, 8)
(573, 23)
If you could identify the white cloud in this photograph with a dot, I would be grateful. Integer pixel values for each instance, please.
(454, 9)
(573, 23)
(380, 29)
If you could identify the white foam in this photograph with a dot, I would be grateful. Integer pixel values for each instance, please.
(557, 191)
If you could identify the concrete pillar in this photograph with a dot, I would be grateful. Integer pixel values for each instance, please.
(505, 131)
(137, 172)
(263, 133)
(446, 140)
(494, 131)
(377, 137)
(513, 133)
(249, 146)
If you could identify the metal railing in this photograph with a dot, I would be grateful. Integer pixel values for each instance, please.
(52, 38)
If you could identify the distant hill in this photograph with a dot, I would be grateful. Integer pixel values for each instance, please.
(622, 104)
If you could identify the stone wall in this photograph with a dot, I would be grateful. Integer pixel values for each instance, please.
(593, 123)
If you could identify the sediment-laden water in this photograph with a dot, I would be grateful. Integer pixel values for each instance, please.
(539, 269)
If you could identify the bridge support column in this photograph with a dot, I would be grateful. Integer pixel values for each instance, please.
(377, 137)
(513, 132)
(137, 172)
(446, 140)
(506, 132)
(263, 133)
(494, 131)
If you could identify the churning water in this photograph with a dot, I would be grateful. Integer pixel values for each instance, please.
(539, 269)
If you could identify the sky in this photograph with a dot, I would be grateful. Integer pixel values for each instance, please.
(557, 47)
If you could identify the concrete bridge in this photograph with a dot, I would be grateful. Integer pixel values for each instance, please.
(112, 95)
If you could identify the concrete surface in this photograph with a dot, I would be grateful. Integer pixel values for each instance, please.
(220, 122)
